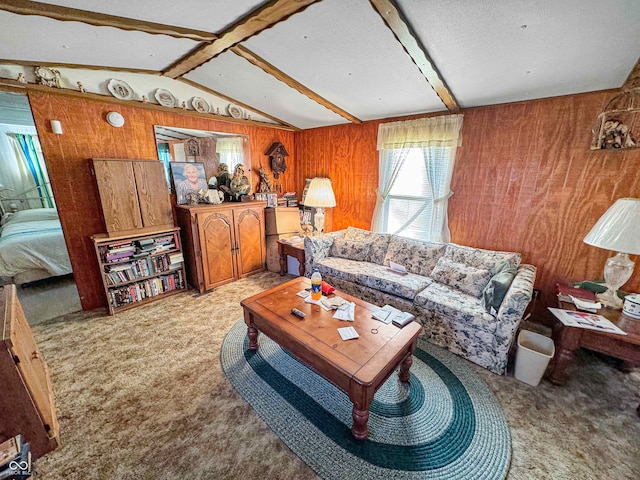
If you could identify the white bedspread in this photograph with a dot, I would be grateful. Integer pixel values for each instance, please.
(33, 245)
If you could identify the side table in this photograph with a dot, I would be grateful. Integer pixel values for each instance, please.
(568, 339)
(295, 251)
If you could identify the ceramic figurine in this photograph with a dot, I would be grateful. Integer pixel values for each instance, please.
(81, 88)
(145, 99)
(21, 78)
(184, 105)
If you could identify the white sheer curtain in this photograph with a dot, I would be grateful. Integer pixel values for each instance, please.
(415, 167)
(231, 151)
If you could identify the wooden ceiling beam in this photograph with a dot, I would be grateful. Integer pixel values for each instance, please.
(66, 14)
(251, 24)
(236, 102)
(291, 82)
(394, 19)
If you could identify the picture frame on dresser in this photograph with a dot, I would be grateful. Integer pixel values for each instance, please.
(188, 178)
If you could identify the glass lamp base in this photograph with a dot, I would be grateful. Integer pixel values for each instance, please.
(617, 270)
(609, 299)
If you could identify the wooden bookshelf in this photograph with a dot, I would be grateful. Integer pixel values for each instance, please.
(138, 269)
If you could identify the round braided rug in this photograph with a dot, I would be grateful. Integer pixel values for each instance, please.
(445, 424)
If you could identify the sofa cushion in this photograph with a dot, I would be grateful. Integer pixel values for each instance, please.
(476, 257)
(373, 276)
(352, 249)
(379, 242)
(465, 278)
(456, 306)
(496, 289)
(416, 256)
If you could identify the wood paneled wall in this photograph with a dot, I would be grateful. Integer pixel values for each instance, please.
(87, 135)
(525, 180)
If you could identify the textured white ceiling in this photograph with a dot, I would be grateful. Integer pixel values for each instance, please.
(205, 15)
(510, 50)
(235, 77)
(488, 52)
(344, 52)
(42, 39)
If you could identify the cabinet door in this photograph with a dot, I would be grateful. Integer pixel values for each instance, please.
(117, 187)
(250, 240)
(153, 194)
(217, 244)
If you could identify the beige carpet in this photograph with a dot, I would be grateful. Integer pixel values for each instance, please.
(141, 395)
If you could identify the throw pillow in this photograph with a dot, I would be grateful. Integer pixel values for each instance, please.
(353, 250)
(465, 278)
(417, 256)
(493, 294)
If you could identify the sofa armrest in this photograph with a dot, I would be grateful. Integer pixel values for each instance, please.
(514, 305)
(316, 248)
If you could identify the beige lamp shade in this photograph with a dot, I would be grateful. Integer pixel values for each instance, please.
(618, 229)
(320, 194)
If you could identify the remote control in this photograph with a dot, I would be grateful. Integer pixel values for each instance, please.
(298, 313)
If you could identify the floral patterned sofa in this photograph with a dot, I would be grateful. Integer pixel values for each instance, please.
(468, 300)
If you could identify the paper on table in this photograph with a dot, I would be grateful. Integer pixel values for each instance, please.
(586, 304)
(590, 321)
(386, 314)
(317, 302)
(346, 312)
(348, 333)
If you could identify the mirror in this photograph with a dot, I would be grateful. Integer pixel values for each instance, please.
(208, 148)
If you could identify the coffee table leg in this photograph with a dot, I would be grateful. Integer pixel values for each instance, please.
(360, 419)
(404, 374)
(252, 333)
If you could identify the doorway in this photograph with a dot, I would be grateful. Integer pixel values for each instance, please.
(33, 252)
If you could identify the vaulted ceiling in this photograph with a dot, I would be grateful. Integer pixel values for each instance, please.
(311, 63)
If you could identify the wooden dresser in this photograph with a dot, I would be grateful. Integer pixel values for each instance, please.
(26, 400)
(223, 242)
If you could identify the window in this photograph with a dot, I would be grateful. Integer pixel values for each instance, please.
(416, 164)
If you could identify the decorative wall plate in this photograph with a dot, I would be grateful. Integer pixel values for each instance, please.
(165, 98)
(120, 89)
(199, 104)
(235, 111)
(48, 76)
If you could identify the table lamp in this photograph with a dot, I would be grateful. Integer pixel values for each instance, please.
(320, 195)
(618, 229)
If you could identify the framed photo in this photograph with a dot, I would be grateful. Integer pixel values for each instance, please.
(272, 199)
(189, 178)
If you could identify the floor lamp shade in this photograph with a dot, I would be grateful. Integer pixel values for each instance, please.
(320, 195)
(618, 230)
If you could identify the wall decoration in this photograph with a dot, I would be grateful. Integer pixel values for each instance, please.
(277, 154)
(235, 111)
(48, 77)
(618, 126)
(120, 89)
(165, 97)
(199, 104)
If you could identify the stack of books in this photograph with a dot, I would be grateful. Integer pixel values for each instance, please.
(15, 459)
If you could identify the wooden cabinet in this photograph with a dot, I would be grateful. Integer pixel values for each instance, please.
(222, 242)
(26, 400)
(140, 268)
(134, 195)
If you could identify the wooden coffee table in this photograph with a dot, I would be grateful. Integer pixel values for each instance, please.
(357, 367)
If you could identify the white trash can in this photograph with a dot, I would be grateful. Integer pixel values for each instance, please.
(532, 357)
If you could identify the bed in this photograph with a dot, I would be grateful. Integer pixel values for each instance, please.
(32, 246)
